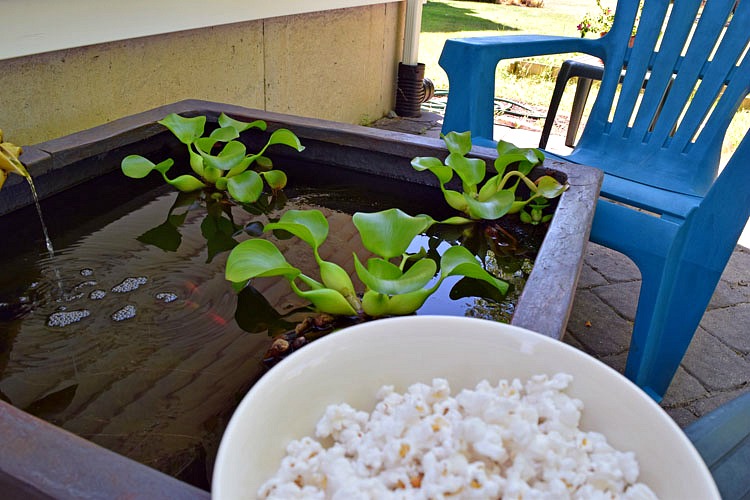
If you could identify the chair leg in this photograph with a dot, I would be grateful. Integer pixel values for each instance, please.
(670, 308)
(579, 103)
(472, 93)
(648, 245)
(562, 79)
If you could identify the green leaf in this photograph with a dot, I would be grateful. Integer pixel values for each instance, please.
(211, 174)
(245, 187)
(164, 166)
(335, 277)
(138, 167)
(516, 206)
(240, 166)
(263, 163)
(205, 144)
(389, 233)
(505, 147)
(527, 158)
(458, 142)
(225, 121)
(380, 276)
(458, 261)
(456, 221)
(186, 183)
(380, 269)
(230, 156)
(490, 187)
(286, 137)
(276, 179)
(377, 304)
(225, 134)
(470, 170)
(326, 300)
(456, 200)
(310, 226)
(493, 208)
(196, 162)
(549, 187)
(422, 163)
(187, 130)
(257, 258)
(443, 173)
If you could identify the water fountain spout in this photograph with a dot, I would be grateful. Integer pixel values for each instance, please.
(9, 162)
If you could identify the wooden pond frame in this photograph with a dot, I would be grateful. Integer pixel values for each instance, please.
(40, 460)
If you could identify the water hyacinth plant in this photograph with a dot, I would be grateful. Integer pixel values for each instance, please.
(229, 169)
(491, 198)
(391, 288)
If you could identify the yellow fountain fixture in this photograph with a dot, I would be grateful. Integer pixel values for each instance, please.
(9, 162)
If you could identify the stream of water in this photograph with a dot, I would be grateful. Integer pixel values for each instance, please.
(47, 240)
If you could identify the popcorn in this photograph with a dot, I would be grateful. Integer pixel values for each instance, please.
(511, 440)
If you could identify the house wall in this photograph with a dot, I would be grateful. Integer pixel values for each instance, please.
(339, 65)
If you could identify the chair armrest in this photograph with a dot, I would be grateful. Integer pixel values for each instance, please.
(470, 64)
(512, 46)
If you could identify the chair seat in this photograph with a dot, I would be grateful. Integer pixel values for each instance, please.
(644, 197)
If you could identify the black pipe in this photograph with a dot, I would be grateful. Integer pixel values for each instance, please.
(412, 89)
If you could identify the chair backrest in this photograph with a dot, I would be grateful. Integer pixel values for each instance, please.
(694, 59)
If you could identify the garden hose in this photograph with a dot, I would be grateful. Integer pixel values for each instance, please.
(502, 106)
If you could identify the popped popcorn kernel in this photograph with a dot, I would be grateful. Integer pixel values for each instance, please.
(511, 440)
(416, 481)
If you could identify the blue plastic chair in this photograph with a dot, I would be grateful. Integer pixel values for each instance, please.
(722, 437)
(663, 202)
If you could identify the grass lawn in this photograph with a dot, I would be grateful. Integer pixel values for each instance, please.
(444, 19)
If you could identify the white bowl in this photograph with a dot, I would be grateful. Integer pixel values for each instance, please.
(352, 364)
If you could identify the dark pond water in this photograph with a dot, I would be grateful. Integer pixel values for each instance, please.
(130, 336)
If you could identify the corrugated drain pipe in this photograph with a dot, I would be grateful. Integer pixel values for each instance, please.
(412, 87)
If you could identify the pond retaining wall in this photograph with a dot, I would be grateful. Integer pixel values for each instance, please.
(335, 64)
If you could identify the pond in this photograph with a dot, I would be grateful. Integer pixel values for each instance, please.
(129, 335)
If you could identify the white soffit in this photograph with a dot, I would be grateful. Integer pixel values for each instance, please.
(38, 26)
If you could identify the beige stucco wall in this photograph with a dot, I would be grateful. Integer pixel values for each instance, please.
(339, 65)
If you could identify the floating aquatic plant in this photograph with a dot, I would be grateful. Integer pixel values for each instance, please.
(490, 198)
(391, 288)
(229, 169)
